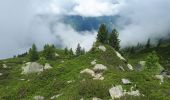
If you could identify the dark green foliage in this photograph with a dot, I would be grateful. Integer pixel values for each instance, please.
(78, 50)
(148, 44)
(102, 34)
(71, 52)
(83, 51)
(33, 53)
(49, 52)
(114, 40)
(66, 51)
(159, 43)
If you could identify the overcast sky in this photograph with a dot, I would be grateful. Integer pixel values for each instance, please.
(20, 25)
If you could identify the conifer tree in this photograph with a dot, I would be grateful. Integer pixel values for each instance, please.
(148, 45)
(78, 50)
(102, 34)
(66, 51)
(113, 40)
(33, 53)
(49, 52)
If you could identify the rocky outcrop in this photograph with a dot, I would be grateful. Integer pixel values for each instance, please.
(32, 67)
(103, 48)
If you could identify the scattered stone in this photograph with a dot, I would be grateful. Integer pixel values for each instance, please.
(5, 66)
(62, 61)
(103, 48)
(120, 56)
(121, 68)
(99, 67)
(38, 98)
(126, 81)
(93, 62)
(134, 93)
(95, 98)
(98, 77)
(22, 79)
(130, 66)
(116, 92)
(32, 67)
(56, 96)
(71, 81)
(142, 63)
(81, 99)
(1, 74)
(47, 66)
(88, 71)
(57, 55)
(160, 77)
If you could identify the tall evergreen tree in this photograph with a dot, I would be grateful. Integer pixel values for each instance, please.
(102, 34)
(66, 51)
(33, 53)
(148, 44)
(49, 52)
(113, 40)
(78, 50)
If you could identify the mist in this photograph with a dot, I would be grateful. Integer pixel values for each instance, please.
(23, 23)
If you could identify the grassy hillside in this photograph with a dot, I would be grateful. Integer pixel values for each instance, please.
(65, 78)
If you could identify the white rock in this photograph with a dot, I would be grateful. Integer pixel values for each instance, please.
(103, 48)
(57, 55)
(93, 62)
(134, 93)
(56, 96)
(71, 81)
(22, 79)
(142, 63)
(32, 67)
(99, 67)
(126, 81)
(121, 68)
(81, 99)
(62, 61)
(38, 98)
(47, 66)
(116, 92)
(1, 74)
(160, 77)
(5, 66)
(120, 56)
(130, 66)
(95, 98)
(98, 77)
(88, 71)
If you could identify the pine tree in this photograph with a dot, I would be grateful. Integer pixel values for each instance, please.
(113, 40)
(78, 50)
(33, 53)
(66, 51)
(71, 52)
(102, 34)
(49, 52)
(148, 45)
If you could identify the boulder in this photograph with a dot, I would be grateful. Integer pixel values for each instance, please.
(1, 74)
(134, 93)
(120, 56)
(57, 55)
(116, 92)
(32, 67)
(126, 81)
(88, 71)
(47, 66)
(38, 97)
(130, 66)
(98, 77)
(5, 66)
(93, 62)
(103, 48)
(99, 67)
(160, 77)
